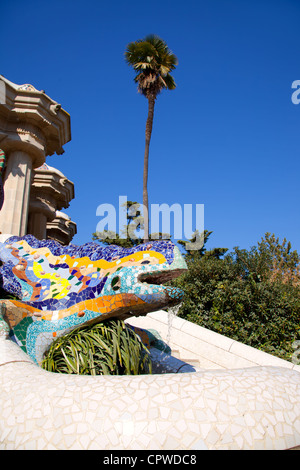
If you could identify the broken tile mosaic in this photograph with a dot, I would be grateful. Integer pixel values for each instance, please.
(61, 287)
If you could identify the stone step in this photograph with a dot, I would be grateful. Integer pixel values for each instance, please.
(193, 362)
(163, 363)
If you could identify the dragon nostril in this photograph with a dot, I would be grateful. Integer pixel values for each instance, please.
(116, 283)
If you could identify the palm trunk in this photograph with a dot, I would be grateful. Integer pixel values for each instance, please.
(149, 124)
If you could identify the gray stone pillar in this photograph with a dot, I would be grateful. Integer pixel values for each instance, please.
(16, 189)
(41, 209)
(37, 222)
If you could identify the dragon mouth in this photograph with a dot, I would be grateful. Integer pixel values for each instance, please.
(155, 297)
(160, 277)
(169, 295)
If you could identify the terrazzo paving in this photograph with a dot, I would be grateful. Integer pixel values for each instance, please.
(251, 408)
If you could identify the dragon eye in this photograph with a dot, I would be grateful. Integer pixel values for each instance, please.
(145, 262)
(116, 283)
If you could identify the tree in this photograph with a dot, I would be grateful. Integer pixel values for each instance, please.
(128, 237)
(284, 264)
(251, 296)
(152, 62)
(198, 241)
(271, 260)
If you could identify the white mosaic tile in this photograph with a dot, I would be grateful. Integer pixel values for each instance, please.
(254, 408)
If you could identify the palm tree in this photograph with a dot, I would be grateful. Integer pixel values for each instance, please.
(152, 61)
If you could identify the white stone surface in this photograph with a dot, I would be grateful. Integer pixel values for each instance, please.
(245, 408)
(211, 349)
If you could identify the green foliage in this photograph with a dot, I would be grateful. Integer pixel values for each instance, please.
(245, 296)
(108, 348)
(128, 237)
(198, 241)
(283, 263)
(269, 260)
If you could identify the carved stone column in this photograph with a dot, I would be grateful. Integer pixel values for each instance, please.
(32, 126)
(37, 225)
(41, 210)
(50, 192)
(17, 187)
(62, 229)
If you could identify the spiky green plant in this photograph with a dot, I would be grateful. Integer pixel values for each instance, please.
(108, 348)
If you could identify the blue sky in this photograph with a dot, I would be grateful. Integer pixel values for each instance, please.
(227, 137)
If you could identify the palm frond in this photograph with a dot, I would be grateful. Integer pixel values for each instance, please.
(152, 61)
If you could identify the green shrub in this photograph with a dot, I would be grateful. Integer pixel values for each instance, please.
(108, 348)
(239, 297)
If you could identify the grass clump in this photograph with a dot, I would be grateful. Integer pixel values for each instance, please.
(108, 348)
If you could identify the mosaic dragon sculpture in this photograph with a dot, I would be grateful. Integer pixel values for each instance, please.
(63, 287)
